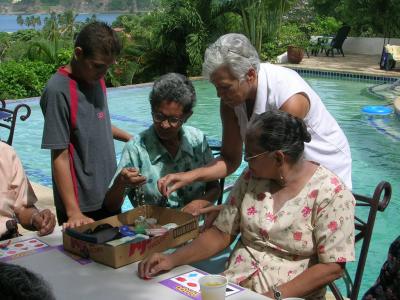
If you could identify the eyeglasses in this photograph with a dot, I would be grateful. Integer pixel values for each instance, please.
(172, 121)
(248, 158)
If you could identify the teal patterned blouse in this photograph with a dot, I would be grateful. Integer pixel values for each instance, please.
(147, 154)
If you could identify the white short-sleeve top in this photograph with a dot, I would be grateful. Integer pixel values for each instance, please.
(329, 145)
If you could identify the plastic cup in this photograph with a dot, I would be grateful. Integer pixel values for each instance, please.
(213, 287)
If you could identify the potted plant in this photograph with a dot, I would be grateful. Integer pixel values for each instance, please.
(296, 42)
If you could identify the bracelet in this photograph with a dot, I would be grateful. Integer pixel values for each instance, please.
(33, 215)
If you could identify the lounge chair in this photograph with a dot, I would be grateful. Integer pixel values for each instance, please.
(391, 55)
(337, 41)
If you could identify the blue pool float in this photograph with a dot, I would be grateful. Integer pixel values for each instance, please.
(377, 110)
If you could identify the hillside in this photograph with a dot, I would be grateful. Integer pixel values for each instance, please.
(90, 6)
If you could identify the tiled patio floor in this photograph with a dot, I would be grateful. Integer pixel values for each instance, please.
(354, 63)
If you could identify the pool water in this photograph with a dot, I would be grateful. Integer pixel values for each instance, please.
(375, 153)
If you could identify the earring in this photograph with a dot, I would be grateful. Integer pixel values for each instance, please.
(282, 179)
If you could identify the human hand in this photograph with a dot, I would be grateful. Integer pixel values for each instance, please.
(154, 264)
(211, 213)
(172, 182)
(76, 220)
(194, 206)
(130, 177)
(44, 222)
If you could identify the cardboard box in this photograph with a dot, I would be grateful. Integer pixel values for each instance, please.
(128, 253)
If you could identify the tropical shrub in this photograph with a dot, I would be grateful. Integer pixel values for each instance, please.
(23, 79)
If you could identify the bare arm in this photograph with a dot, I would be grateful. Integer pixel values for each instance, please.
(227, 163)
(310, 280)
(298, 105)
(211, 194)
(231, 152)
(32, 219)
(206, 245)
(120, 135)
(63, 180)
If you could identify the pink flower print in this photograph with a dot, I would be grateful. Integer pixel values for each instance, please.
(335, 181)
(306, 211)
(333, 226)
(321, 249)
(264, 233)
(247, 175)
(313, 195)
(232, 201)
(297, 235)
(338, 189)
(261, 196)
(271, 217)
(251, 211)
(254, 264)
(341, 259)
(238, 259)
(289, 273)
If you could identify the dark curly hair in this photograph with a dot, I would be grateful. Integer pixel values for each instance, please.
(279, 130)
(17, 282)
(173, 87)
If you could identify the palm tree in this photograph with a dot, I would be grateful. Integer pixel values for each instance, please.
(67, 22)
(262, 18)
(186, 27)
(20, 20)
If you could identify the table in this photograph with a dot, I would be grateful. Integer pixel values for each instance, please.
(71, 280)
(318, 43)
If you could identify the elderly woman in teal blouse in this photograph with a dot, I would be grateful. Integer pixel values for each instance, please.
(165, 147)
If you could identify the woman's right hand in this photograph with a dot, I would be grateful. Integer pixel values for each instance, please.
(172, 182)
(130, 177)
(154, 264)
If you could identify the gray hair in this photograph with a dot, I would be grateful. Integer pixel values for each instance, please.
(173, 87)
(233, 50)
(279, 130)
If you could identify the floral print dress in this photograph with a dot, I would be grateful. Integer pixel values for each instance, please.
(316, 226)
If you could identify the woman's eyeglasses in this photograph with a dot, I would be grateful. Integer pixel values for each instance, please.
(248, 158)
(172, 121)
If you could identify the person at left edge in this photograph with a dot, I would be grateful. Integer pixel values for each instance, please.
(78, 129)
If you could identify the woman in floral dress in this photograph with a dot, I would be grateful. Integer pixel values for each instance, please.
(295, 217)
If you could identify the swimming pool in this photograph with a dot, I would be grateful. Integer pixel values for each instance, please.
(375, 153)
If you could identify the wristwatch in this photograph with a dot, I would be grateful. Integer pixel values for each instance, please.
(277, 293)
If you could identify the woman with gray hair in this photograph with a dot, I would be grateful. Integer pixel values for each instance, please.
(296, 231)
(166, 147)
(246, 89)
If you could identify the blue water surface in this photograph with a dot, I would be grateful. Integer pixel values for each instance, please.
(8, 23)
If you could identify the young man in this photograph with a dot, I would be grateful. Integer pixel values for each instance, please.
(78, 129)
(17, 199)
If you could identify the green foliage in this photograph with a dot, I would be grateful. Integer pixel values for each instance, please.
(324, 26)
(25, 35)
(366, 18)
(23, 79)
(290, 35)
(262, 19)
(172, 38)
